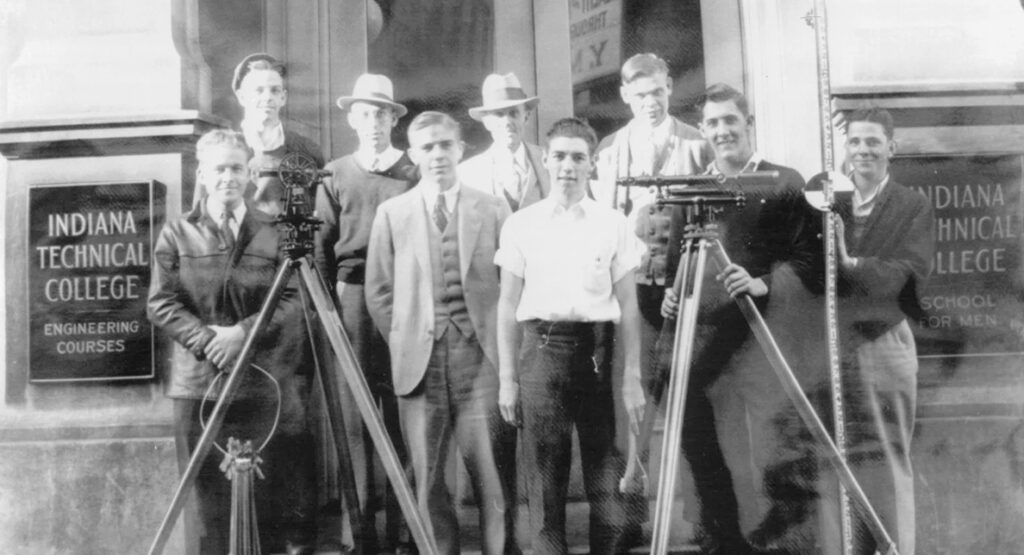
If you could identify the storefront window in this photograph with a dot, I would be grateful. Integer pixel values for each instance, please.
(437, 53)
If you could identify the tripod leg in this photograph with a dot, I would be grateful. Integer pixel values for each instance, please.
(682, 354)
(216, 419)
(331, 388)
(371, 416)
(804, 407)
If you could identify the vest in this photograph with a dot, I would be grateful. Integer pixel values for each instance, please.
(449, 300)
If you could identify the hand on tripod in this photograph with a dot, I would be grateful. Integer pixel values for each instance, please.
(738, 281)
(224, 346)
(670, 305)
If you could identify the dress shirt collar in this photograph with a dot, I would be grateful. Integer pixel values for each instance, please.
(659, 134)
(216, 212)
(430, 191)
(500, 153)
(862, 206)
(578, 210)
(750, 166)
(372, 161)
(261, 139)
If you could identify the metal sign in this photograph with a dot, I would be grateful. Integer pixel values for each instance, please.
(595, 38)
(90, 253)
(971, 300)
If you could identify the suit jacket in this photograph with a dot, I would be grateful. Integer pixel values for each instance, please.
(688, 154)
(895, 255)
(399, 286)
(478, 172)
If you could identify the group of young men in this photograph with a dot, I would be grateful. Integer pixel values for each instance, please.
(524, 293)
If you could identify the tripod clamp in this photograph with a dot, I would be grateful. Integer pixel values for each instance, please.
(299, 174)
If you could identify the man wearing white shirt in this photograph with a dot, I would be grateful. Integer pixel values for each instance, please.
(432, 290)
(511, 168)
(567, 268)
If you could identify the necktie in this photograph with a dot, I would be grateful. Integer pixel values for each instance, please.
(521, 176)
(226, 233)
(440, 213)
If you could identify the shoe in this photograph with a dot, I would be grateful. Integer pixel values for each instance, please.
(406, 548)
(299, 549)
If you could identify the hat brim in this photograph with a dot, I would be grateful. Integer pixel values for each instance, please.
(345, 101)
(478, 112)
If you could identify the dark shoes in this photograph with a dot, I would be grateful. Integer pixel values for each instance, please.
(296, 549)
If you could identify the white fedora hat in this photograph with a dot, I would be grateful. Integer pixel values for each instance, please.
(500, 92)
(375, 89)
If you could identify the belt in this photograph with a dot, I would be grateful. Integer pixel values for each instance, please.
(563, 327)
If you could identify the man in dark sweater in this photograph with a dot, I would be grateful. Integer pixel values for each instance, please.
(884, 249)
(773, 243)
(347, 202)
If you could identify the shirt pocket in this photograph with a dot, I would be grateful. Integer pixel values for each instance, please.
(596, 264)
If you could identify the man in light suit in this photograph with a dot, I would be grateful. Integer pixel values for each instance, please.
(511, 168)
(652, 143)
(432, 290)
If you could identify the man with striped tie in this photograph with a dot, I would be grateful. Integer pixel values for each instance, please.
(511, 168)
(432, 289)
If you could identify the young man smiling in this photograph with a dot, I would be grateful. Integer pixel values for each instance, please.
(885, 246)
(567, 268)
(260, 86)
(213, 270)
(773, 242)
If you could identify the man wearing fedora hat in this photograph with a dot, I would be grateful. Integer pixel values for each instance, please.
(260, 88)
(347, 203)
(509, 168)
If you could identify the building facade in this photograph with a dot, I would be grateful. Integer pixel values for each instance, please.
(101, 104)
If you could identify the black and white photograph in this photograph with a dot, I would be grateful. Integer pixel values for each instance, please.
(512, 277)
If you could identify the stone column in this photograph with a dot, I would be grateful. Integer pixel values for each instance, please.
(99, 92)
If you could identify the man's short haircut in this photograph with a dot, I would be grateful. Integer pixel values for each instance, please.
(261, 62)
(431, 118)
(643, 65)
(221, 137)
(573, 128)
(720, 92)
(874, 114)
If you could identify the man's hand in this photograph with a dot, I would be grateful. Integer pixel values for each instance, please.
(634, 400)
(845, 260)
(225, 345)
(737, 281)
(508, 402)
(670, 305)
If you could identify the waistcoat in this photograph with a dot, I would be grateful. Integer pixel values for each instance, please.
(449, 300)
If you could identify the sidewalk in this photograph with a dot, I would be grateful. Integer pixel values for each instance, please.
(577, 515)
